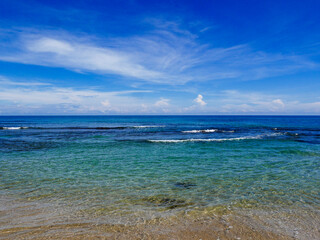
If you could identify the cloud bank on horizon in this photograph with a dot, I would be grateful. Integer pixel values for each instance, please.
(140, 57)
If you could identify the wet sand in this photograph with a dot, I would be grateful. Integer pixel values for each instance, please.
(257, 226)
(195, 230)
(35, 220)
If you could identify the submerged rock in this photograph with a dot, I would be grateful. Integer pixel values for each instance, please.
(185, 185)
(167, 202)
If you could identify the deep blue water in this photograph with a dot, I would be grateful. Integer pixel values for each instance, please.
(124, 164)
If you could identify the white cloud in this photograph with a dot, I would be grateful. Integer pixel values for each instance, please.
(57, 100)
(199, 100)
(39, 99)
(310, 108)
(250, 102)
(163, 102)
(277, 104)
(105, 103)
(236, 102)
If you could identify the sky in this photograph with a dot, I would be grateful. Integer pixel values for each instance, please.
(246, 57)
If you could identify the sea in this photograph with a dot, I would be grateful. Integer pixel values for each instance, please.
(129, 169)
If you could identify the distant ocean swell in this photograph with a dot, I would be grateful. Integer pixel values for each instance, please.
(173, 133)
(82, 128)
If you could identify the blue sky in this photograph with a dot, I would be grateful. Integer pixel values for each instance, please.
(159, 57)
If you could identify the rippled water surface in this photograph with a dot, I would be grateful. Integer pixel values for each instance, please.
(147, 166)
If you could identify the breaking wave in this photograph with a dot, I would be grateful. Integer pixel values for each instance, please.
(201, 131)
(206, 131)
(13, 128)
(204, 140)
(211, 139)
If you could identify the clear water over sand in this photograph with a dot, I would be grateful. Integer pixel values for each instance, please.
(259, 172)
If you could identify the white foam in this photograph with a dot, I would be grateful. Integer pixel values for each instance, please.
(205, 140)
(206, 131)
(214, 139)
(201, 131)
(13, 128)
(148, 126)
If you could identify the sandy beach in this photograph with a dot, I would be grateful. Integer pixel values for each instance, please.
(22, 223)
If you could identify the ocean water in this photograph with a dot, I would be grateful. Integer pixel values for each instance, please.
(124, 168)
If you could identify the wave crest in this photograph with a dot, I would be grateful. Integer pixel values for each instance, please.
(13, 128)
(206, 131)
(214, 139)
(204, 140)
(201, 131)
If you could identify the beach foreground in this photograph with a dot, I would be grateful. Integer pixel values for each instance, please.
(258, 225)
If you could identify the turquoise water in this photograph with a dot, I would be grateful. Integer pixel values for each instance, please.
(135, 165)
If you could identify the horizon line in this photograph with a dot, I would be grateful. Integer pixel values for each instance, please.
(147, 115)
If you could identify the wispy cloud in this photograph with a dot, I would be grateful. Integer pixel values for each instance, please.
(167, 54)
(5, 81)
(76, 56)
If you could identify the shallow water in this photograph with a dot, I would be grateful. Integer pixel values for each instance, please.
(129, 169)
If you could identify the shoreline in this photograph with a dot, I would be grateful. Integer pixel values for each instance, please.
(240, 224)
(222, 228)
